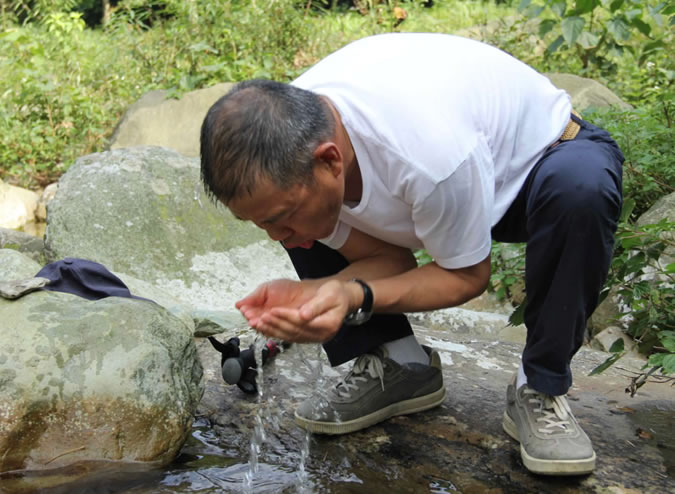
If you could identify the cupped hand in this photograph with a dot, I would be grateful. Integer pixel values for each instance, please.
(317, 319)
(277, 293)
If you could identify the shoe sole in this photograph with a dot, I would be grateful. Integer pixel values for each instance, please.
(412, 405)
(548, 467)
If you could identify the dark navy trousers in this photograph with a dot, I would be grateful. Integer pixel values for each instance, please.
(567, 213)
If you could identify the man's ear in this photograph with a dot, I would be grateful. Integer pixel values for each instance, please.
(329, 154)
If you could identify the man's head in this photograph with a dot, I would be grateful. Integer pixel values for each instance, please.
(269, 152)
(262, 129)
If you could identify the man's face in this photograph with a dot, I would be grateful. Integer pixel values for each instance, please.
(298, 215)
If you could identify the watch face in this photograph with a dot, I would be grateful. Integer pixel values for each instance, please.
(356, 318)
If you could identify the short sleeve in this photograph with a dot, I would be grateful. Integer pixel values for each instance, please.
(454, 220)
(339, 236)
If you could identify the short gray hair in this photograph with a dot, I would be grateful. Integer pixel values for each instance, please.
(261, 128)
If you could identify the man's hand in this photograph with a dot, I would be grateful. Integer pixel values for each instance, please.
(295, 313)
(276, 293)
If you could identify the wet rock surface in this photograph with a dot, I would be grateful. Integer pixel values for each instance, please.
(457, 447)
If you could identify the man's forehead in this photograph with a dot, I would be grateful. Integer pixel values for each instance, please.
(266, 203)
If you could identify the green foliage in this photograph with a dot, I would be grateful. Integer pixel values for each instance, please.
(646, 139)
(645, 287)
(508, 271)
(599, 32)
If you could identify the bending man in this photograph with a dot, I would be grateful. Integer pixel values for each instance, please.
(406, 141)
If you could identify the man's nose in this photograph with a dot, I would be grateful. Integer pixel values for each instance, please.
(278, 233)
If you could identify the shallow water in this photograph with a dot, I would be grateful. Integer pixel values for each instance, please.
(655, 422)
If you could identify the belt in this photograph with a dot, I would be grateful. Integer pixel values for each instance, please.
(570, 132)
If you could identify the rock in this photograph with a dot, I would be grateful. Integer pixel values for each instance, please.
(144, 289)
(46, 196)
(16, 266)
(27, 244)
(488, 302)
(465, 322)
(134, 210)
(157, 121)
(607, 337)
(17, 206)
(664, 208)
(111, 380)
(457, 447)
(585, 92)
(611, 309)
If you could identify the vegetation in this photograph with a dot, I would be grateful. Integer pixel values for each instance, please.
(69, 68)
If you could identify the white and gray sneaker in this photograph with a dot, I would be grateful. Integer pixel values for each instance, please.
(551, 440)
(375, 389)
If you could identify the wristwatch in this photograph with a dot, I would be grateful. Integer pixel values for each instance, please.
(363, 313)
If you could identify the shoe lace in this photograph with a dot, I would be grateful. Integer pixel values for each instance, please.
(554, 409)
(366, 364)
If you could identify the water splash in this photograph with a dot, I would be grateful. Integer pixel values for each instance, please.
(258, 436)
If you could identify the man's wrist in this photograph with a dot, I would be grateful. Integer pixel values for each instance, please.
(361, 307)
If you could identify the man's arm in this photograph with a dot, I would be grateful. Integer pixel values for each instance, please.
(398, 286)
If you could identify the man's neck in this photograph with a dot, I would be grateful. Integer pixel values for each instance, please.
(352, 172)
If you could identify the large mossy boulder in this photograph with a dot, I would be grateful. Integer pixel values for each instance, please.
(142, 212)
(116, 379)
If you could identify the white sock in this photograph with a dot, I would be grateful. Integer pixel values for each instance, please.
(406, 351)
(522, 378)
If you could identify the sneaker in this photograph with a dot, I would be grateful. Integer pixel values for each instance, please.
(375, 389)
(551, 440)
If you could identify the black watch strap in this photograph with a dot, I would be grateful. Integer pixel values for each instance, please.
(363, 313)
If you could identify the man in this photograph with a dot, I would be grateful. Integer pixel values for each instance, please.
(405, 141)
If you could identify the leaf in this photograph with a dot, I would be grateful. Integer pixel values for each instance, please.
(523, 5)
(669, 364)
(588, 40)
(641, 26)
(572, 28)
(517, 317)
(559, 8)
(670, 268)
(617, 346)
(585, 6)
(627, 210)
(656, 359)
(606, 364)
(546, 26)
(667, 339)
(618, 28)
(615, 5)
(554, 46)
(644, 434)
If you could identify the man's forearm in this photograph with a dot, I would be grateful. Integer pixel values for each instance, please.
(430, 287)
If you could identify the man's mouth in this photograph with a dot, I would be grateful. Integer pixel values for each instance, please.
(304, 245)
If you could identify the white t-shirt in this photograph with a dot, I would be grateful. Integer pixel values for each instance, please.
(445, 130)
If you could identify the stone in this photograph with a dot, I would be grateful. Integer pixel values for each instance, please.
(586, 93)
(611, 310)
(18, 288)
(116, 379)
(464, 322)
(27, 244)
(157, 120)
(607, 337)
(17, 206)
(664, 208)
(142, 212)
(16, 266)
(47, 195)
(457, 447)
